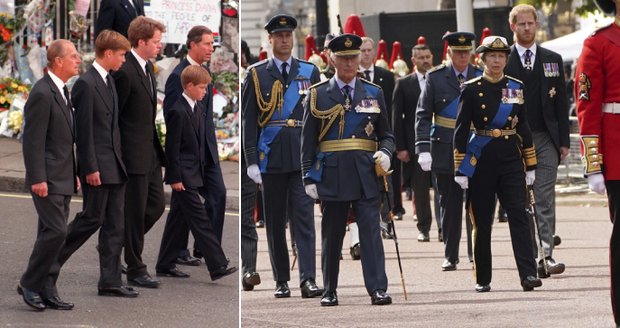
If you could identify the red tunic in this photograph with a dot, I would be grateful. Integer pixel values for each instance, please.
(597, 81)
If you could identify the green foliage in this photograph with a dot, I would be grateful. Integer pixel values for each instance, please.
(587, 6)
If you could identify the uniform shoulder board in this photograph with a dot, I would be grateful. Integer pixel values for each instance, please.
(262, 62)
(516, 80)
(470, 81)
(304, 61)
(436, 68)
(318, 84)
(368, 82)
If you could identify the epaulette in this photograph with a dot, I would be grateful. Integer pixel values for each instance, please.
(317, 84)
(368, 82)
(516, 80)
(436, 68)
(473, 80)
(304, 61)
(262, 62)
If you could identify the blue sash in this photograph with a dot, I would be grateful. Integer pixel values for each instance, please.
(269, 133)
(478, 142)
(352, 121)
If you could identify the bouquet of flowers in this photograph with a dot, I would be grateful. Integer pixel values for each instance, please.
(7, 28)
(9, 89)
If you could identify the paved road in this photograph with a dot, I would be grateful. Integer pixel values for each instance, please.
(577, 298)
(193, 302)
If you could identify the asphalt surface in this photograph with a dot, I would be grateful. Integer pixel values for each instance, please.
(192, 302)
(577, 298)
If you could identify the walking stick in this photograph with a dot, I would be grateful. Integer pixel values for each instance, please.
(382, 173)
(532, 211)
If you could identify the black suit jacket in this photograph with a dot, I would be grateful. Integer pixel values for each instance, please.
(406, 94)
(385, 79)
(174, 90)
(98, 139)
(48, 139)
(554, 103)
(117, 14)
(137, 108)
(185, 145)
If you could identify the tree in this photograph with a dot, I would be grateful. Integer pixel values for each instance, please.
(587, 6)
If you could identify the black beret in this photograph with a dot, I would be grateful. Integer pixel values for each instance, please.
(345, 45)
(280, 23)
(460, 40)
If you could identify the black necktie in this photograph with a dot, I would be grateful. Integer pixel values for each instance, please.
(197, 115)
(528, 59)
(67, 96)
(284, 72)
(367, 75)
(148, 77)
(461, 78)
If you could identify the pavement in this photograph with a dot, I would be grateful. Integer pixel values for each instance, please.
(12, 173)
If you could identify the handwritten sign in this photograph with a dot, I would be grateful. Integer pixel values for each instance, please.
(180, 16)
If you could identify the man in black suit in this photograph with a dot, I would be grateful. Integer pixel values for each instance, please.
(406, 95)
(542, 72)
(50, 169)
(142, 153)
(200, 45)
(185, 151)
(117, 14)
(100, 166)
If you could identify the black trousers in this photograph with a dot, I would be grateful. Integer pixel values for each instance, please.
(420, 184)
(249, 237)
(102, 210)
(333, 226)
(613, 196)
(397, 183)
(186, 205)
(53, 212)
(277, 189)
(451, 203)
(144, 205)
(507, 180)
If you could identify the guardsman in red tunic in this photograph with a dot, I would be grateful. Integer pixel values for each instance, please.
(598, 110)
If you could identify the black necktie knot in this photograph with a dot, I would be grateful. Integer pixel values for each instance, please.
(284, 72)
(367, 75)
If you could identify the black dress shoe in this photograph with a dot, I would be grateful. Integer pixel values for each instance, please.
(530, 282)
(121, 291)
(483, 288)
(355, 252)
(31, 298)
(173, 272)
(449, 265)
(250, 279)
(197, 253)
(554, 267)
(282, 290)
(222, 272)
(309, 289)
(144, 281)
(439, 236)
(188, 260)
(380, 297)
(56, 303)
(330, 298)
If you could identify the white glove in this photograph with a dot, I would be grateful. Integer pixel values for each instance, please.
(425, 161)
(530, 176)
(385, 160)
(254, 173)
(462, 181)
(596, 182)
(311, 191)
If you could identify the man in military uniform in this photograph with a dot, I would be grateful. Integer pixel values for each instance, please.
(542, 72)
(435, 119)
(598, 108)
(272, 111)
(345, 132)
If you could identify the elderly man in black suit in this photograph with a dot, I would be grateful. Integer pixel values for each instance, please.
(100, 167)
(117, 14)
(542, 72)
(406, 95)
(200, 45)
(143, 155)
(49, 135)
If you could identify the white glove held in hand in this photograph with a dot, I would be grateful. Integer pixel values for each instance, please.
(462, 181)
(596, 182)
(254, 174)
(530, 176)
(311, 191)
(425, 161)
(385, 160)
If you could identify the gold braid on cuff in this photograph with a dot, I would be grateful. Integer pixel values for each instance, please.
(592, 160)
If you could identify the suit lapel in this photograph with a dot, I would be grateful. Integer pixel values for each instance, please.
(360, 93)
(544, 83)
(64, 108)
(292, 74)
(334, 92)
(451, 78)
(514, 64)
(190, 115)
(415, 85)
(131, 11)
(377, 78)
(102, 89)
(274, 71)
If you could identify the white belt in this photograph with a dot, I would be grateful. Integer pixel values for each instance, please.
(611, 108)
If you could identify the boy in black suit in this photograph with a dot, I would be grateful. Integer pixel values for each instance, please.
(185, 142)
